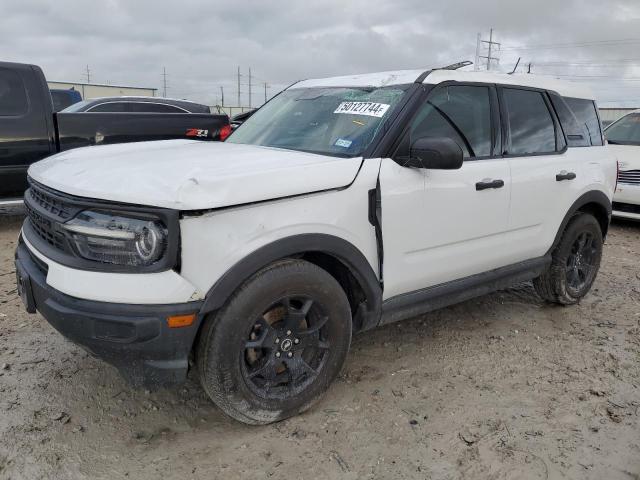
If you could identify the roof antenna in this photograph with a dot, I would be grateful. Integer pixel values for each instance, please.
(516, 67)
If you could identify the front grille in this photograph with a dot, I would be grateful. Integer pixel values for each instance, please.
(631, 177)
(49, 202)
(44, 228)
(626, 207)
(45, 210)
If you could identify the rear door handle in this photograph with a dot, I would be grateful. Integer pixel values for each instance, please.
(488, 183)
(564, 175)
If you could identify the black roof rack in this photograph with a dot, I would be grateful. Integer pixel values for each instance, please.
(453, 66)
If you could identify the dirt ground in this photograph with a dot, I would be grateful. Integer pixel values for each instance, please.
(498, 387)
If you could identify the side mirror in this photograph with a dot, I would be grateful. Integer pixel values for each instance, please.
(438, 153)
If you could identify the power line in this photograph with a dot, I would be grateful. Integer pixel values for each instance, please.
(590, 64)
(627, 41)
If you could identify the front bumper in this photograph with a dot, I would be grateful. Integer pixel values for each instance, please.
(136, 339)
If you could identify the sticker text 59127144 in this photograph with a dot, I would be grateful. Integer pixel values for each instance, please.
(370, 109)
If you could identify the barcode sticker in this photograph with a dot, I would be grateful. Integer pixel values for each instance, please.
(363, 108)
(341, 142)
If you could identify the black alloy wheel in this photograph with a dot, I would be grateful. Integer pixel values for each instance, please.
(278, 343)
(575, 262)
(286, 347)
(580, 263)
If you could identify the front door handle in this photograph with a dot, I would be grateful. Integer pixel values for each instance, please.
(564, 175)
(488, 183)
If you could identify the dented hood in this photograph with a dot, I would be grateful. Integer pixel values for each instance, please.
(191, 175)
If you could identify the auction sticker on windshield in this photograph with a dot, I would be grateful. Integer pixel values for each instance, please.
(370, 109)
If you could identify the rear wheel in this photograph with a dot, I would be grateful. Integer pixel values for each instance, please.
(277, 345)
(575, 262)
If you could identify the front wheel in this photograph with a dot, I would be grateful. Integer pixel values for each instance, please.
(278, 343)
(575, 262)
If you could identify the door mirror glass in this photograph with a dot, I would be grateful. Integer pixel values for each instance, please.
(437, 153)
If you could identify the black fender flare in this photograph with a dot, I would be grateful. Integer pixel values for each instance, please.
(595, 198)
(350, 256)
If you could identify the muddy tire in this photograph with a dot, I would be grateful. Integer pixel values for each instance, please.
(277, 345)
(575, 262)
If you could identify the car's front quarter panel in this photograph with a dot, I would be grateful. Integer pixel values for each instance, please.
(600, 169)
(213, 242)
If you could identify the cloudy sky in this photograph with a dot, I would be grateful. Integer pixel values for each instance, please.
(201, 43)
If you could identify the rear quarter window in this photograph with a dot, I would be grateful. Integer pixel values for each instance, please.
(587, 116)
(109, 107)
(144, 107)
(13, 96)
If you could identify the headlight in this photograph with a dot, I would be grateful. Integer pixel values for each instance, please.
(110, 238)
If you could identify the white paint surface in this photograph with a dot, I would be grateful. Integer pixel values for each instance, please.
(191, 175)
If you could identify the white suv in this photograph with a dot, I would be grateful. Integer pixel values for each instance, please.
(342, 204)
(624, 138)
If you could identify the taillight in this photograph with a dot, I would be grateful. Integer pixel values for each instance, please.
(225, 131)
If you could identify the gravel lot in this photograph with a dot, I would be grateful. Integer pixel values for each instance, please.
(498, 387)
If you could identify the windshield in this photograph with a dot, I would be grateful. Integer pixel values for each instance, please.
(340, 122)
(78, 107)
(625, 131)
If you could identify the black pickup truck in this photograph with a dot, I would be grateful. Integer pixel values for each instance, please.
(31, 131)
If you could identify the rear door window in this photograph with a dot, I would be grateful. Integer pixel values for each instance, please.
(585, 113)
(13, 96)
(531, 125)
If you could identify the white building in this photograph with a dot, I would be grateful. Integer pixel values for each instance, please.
(95, 90)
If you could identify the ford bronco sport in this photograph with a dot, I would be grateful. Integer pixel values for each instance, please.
(342, 204)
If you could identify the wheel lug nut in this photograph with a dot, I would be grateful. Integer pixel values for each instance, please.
(277, 354)
(277, 340)
(290, 354)
(296, 341)
(288, 332)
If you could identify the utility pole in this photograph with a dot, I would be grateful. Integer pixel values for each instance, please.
(491, 43)
(238, 86)
(88, 75)
(164, 82)
(249, 87)
(265, 91)
(222, 95)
